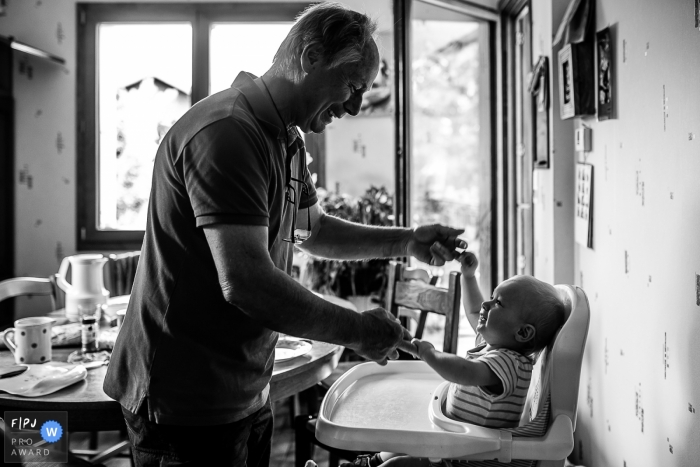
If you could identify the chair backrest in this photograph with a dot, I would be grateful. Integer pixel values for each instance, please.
(407, 287)
(120, 271)
(26, 286)
(20, 286)
(558, 370)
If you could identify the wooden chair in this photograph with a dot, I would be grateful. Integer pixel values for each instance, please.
(26, 286)
(411, 292)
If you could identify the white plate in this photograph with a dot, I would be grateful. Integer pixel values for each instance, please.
(42, 379)
(289, 348)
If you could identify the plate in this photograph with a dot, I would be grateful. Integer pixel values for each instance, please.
(42, 379)
(288, 348)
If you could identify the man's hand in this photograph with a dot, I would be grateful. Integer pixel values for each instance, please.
(435, 244)
(469, 262)
(379, 335)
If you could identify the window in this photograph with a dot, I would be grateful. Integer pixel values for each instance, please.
(140, 68)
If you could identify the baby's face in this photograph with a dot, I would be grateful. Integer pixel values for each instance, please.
(502, 315)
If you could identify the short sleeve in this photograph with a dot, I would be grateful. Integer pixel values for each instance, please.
(506, 366)
(226, 169)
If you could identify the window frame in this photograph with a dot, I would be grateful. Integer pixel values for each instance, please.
(519, 139)
(201, 16)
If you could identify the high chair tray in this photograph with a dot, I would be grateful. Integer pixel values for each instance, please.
(396, 408)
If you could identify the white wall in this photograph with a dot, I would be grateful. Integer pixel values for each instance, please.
(360, 154)
(45, 135)
(640, 389)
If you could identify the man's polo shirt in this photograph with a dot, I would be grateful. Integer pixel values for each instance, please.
(184, 351)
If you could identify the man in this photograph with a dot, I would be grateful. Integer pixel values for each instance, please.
(193, 360)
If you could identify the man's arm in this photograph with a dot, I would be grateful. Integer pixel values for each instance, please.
(335, 238)
(250, 281)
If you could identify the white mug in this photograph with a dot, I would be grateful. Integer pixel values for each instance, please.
(32, 339)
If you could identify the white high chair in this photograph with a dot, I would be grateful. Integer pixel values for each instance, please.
(398, 407)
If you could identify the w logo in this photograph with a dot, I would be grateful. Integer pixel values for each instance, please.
(51, 431)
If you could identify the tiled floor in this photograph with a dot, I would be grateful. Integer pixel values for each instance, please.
(282, 442)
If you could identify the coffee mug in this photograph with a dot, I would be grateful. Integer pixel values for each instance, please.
(31, 340)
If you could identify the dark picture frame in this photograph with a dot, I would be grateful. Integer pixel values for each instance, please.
(566, 83)
(605, 75)
(539, 89)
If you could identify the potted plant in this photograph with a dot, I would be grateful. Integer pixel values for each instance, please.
(361, 282)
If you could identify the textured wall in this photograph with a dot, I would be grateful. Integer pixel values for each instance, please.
(640, 388)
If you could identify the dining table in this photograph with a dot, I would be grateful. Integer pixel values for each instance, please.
(90, 409)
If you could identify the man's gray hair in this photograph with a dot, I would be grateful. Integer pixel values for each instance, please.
(342, 33)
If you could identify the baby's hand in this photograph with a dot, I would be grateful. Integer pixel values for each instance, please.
(422, 348)
(469, 263)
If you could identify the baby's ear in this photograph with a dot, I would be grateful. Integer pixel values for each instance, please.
(526, 333)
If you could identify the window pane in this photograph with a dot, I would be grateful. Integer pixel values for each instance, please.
(450, 135)
(144, 81)
(236, 47)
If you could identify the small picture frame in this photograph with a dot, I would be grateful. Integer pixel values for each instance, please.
(577, 79)
(539, 89)
(605, 75)
(566, 83)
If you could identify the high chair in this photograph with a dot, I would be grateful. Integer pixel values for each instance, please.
(399, 407)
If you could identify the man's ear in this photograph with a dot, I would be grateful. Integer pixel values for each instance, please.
(526, 333)
(311, 57)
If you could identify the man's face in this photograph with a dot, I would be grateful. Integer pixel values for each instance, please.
(329, 93)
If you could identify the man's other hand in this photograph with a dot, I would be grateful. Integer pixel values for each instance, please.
(379, 335)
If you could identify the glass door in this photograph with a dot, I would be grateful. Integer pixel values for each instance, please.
(450, 165)
(450, 130)
(524, 145)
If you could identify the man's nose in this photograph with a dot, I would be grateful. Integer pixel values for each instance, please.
(352, 106)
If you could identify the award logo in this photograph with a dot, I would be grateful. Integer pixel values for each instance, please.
(36, 437)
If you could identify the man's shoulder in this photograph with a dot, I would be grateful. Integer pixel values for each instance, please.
(227, 108)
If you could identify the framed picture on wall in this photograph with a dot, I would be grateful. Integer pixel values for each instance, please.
(583, 221)
(576, 79)
(605, 95)
(539, 89)
(566, 83)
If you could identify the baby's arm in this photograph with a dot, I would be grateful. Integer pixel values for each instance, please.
(471, 294)
(455, 369)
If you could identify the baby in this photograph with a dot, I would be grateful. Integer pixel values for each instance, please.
(489, 386)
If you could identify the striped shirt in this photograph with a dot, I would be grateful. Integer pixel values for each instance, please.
(480, 406)
(535, 428)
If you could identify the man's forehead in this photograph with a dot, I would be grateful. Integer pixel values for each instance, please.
(365, 71)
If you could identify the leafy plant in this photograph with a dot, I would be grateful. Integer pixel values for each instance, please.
(345, 278)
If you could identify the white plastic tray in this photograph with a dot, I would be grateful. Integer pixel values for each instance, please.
(396, 408)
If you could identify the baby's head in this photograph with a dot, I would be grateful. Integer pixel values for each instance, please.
(523, 314)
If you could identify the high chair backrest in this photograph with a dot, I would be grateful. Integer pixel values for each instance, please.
(558, 369)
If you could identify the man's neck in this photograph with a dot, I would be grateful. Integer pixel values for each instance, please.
(282, 93)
